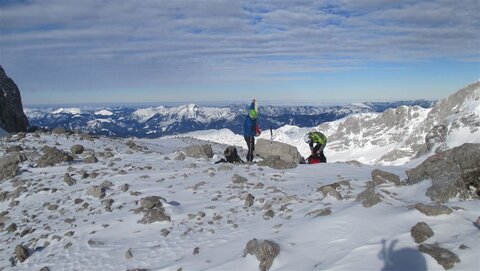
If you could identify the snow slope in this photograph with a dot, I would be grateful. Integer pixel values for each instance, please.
(75, 236)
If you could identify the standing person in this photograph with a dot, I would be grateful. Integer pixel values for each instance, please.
(249, 130)
(321, 140)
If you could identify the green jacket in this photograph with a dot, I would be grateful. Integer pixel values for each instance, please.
(318, 138)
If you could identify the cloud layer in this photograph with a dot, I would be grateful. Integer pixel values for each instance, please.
(168, 42)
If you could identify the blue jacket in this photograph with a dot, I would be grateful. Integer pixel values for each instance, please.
(249, 124)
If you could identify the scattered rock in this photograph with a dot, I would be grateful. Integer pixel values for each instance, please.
(67, 245)
(199, 151)
(131, 144)
(77, 149)
(268, 214)
(264, 250)
(381, 177)
(69, 180)
(9, 165)
(44, 269)
(421, 232)
(196, 251)
(164, 232)
(16, 148)
(453, 173)
(276, 162)
(78, 201)
(433, 210)
(237, 179)
(249, 200)
(106, 184)
(331, 190)
(124, 187)
(443, 256)
(180, 156)
(152, 210)
(22, 253)
(369, 197)
(52, 207)
(52, 156)
(90, 160)
(11, 228)
(320, 212)
(128, 254)
(151, 202)
(96, 191)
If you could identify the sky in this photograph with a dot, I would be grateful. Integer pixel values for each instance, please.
(285, 51)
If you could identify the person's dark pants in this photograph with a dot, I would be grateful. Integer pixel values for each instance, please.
(251, 147)
(319, 150)
(323, 159)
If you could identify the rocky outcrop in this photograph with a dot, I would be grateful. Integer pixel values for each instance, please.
(9, 165)
(288, 153)
(12, 117)
(421, 232)
(453, 172)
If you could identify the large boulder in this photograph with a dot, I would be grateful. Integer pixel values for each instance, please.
(276, 162)
(199, 151)
(264, 250)
(455, 172)
(288, 153)
(12, 117)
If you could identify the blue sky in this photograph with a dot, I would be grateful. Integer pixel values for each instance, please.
(286, 51)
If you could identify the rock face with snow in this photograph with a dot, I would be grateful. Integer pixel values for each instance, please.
(453, 172)
(287, 153)
(408, 132)
(12, 117)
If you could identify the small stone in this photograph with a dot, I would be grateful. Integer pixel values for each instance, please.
(22, 253)
(77, 149)
(90, 160)
(249, 200)
(433, 210)
(443, 256)
(164, 232)
(67, 245)
(78, 201)
(128, 254)
(69, 180)
(12, 228)
(268, 214)
(69, 233)
(96, 191)
(124, 187)
(196, 251)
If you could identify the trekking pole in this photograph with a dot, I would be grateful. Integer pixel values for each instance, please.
(271, 135)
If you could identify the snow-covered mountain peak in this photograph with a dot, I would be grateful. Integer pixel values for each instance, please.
(103, 113)
(71, 111)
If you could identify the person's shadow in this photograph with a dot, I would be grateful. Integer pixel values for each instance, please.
(405, 259)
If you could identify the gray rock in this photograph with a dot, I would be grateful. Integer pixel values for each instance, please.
(179, 156)
(199, 151)
(11, 228)
(249, 200)
(131, 144)
(12, 116)
(77, 149)
(320, 212)
(16, 148)
(124, 187)
(433, 210)
(52, 156)
(128, 254)
(330, 190)
(264, 250)
(237, 179)
(9, 165)
(288, 153)
(22, 253)
(443, 256)
(106, 184)
(381, 177)
(421, 232)
(90, 159)
(45, 268)
(96, 191)
(196, 251)
(268, 214)
(369, 197)
(453, 173)
(276, 162)
(69, 180)
(151, 202)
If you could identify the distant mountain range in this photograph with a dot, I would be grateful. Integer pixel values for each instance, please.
(153, 122)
